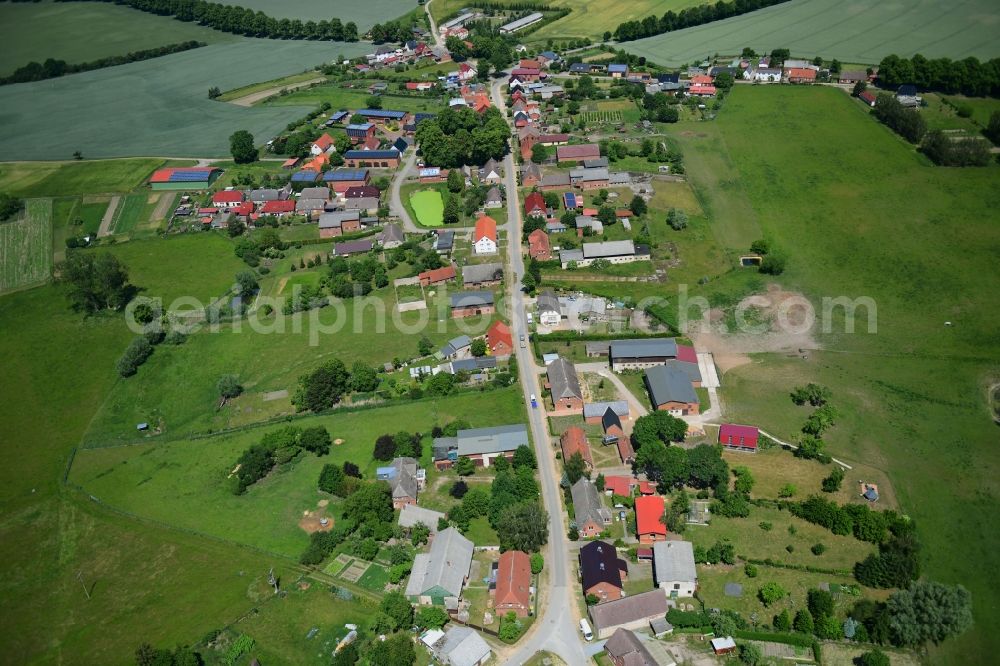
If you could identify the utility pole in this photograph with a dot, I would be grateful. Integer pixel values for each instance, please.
(79, 577)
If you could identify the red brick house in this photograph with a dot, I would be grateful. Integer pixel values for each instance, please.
(574, 440)
(534, 205)
(437, 276)
(564, 385)
(739, 437)
(499, 339)
(513, 584)
(539, 246)
(648, 512)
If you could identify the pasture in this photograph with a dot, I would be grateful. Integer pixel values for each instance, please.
(162, 101)
(62, 179)
(428, 207)
(863, 33)
(340, 97)
(79, 32)
(26, 246)
(817, 191)
(174, 481)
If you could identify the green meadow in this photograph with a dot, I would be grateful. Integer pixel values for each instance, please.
(428, 206)
(26, 246)
(175, 481)
(822, 27)
(860, 213)
(63, 179)
(36, 31)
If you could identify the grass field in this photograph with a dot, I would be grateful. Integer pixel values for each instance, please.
(347, 98)
(163, 100)
(26, 246)
(243, 91)
(429, 207)
(174, 481)
(865, 34)
(816, 191)
(132, 210)
(49, 179)
(66, 31)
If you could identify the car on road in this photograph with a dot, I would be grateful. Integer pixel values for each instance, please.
(585, 630)
(523, 343)
(534, 403)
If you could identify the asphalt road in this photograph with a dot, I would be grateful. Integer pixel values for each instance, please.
(396, 206)
(557, 629)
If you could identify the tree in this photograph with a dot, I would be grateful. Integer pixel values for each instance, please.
(364, 378)
(138, 351)
(346, 656)
(424, 346)
(352, 470)
(9, 206)
(724, 81)
(397, 607)
(385, 448)
(540, 153)
(97, 281)
(229, 386)
(771, 593)
(772, 264)
(814, 394)
(374, 102)
(459, 489)
(396, 650)
(803, 621)
(831, 484)
(524, 456)
(859, 88)
(828, 628)
(523, 526)
(874, 657)
(782, 621)
(476, 502)
(322, 388)
(638, 206)
(331, 479)
(749, 653)
(707, 466)
(677, 219)
(451, 211)
(820, 603)
(658, 426)
(575, 467)
(592, 599)
(992, 130)
(246, 284)
(315, 439)
(464, 466)
(478, 347)
(537, 563)
(431, 617)
(456, 181)
(929, 612)
(599, 482)
(242, 148)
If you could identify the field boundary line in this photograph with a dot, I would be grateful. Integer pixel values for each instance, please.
(110, 219)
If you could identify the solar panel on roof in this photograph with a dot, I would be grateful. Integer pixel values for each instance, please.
(189, 176)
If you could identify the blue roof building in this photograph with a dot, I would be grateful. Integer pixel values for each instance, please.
(382, 114)
(391, 154)
(339, 116)
(617, 68)
(359, 131)
(305, 177)
(338, 175)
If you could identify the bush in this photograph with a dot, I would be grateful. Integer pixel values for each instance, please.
(750, 570)
(771, 593)
(818, 549)
(138, 351)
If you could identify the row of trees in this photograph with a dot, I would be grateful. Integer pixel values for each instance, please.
(242, 21)
(968, 76)
(52, 68)
(458, 137)
(687, 18)
(938, 146)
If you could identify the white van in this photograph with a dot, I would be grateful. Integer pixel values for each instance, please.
(585, 630)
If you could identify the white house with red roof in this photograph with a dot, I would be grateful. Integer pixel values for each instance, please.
(466, 72)
(484, 238)
(323, 144)
(227, 199)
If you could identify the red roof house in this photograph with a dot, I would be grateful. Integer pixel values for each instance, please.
(739, 437)
(648, 511)
(499, 339)
(701, 79)
(362, 192)
(702, 90)
(278, 208)
(624, 485)
(687, 354)
(578, 153)
(484, 238)
(513, 584)
(574, 440)
(228, 198)
(539, 246)
(801, 75)
(534, 205)
(437, 275)
(322, 144)
(868, 98)
(244, 209)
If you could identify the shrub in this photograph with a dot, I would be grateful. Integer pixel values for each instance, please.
(771, 593)
(138, 351)
(818, 549)
(750, 570)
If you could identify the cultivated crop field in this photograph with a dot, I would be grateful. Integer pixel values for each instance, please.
(364, 14)
(26, 246)
(79, 32)
(862, 32)
(61, 179)
(163, 103)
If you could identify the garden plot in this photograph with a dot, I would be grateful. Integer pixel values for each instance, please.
(26, 246)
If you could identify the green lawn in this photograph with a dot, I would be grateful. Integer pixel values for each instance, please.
(813, 27)
(91, 215)
(982, 107)
(47, 179)
(132, 211)
(340, 97)
(26, 246)
(429, 207)
(66, 31)
(173, 481)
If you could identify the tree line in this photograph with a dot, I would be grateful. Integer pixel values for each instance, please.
(942, 149)
(688, 18)
(242, 21)
(457, 137)
(52, 68)
(968, 76)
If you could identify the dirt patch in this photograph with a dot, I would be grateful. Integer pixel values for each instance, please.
(776, 321)
(338, 442)
(313, 521)
(275, 395)
(281, 284)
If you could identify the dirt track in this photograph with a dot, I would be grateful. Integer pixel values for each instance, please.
(260, 96)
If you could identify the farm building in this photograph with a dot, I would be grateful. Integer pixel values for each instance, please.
(437, 276)
(739, 437)
(592, 517)
(352, 247)
(391, 236)
(639, 354)
(384, 159)
(632, 612)
(443, 571)
(564, 385)
(482, 445)
(383, 115)
(578, 153)
(624, 648)
(472, 303)
(615, 252)
(670, 390)
(673, 568)
(342, 179)
(477, 276)
(184, 178)
(227, 199)
(626, 486)
(411, 515)
(574, 440)
(339, 223)
(521, 23)
(512, 589)
(462, 646)
(361, 132)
